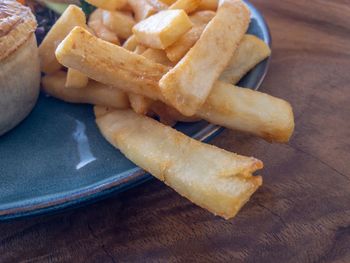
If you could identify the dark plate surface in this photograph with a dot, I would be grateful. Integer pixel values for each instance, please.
(57, 158)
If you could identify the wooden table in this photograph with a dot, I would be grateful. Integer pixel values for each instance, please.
(301, 214)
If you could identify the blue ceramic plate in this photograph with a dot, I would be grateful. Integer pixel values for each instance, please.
(57, 158)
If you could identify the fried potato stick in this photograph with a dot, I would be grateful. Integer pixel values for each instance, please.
(212, 178)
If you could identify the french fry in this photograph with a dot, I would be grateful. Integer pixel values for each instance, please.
(227, 105)
(108, 63)
(131, 43)
(100, 30)
(118, 22)
(162, 29)
(110, 5)
(94, 92)
(169, 115)
(158, 56)
(208, 5)
(145, 8)
(76, 79)
(100, 111)
(179, 49)
(73, 16)
(139, 103)
(168, 2)
(249, 111)
(212, 178)
(250, 52)
(140, 49)
(188, 84)
(188, 6)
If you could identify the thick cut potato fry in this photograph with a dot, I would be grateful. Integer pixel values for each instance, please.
(250, 52)
(249, 111)
(100, 111)
(100, 30)
(177, 50)
(76, 79)
(210, 177)
(140, 49)
(110, 5)
(108, 63)
(208, 5)
(119, 22)
(189, 83)
(131, 43)
(145, 8)
(94, 92)
(73, 16)
(140, 104)
(158, 56)
(162, 29)
(229, 106)
(168, 2)
(170, 116)
(188, 6)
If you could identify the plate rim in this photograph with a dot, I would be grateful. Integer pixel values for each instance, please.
(130, 179)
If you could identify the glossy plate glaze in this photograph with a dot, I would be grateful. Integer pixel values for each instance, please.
(57, 158)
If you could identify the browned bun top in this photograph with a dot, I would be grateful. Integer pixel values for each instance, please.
(17, 23)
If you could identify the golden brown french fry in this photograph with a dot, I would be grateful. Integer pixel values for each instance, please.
(140, 49)
(94, 92)
(168, 2)
(111, 5)
(227, 105)
(119, 22)
(215, 179)
(158, 56)
(139, 103)
(100, 30)
(188, 84)
(108, 63)
(100, 111)
(250, 52)
(131, 43)
(73, 16)
(249, 111)
(208, 5)
(76, 79)
(162, 29)
(179, 49)
(145, 8)
(169, 115)
(188, 6)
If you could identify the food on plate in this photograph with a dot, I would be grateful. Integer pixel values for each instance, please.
(250, 52)
(111, 5)
(208, 5)
(179, 49)
(145, 8)
(188, 6)
(212, 178)
(93, 93)
(269, 117)
(19, 64)
(76, 79)
(73, 16)
(121, 23)
(119, 67)
(168, 60)
(100, 30)
(162, 29)
(186, 90)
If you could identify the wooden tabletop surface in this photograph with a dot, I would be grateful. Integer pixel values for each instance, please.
(302, 212)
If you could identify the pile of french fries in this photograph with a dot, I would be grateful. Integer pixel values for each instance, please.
(170, 60)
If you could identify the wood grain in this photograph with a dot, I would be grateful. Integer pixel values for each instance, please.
(301, 214)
